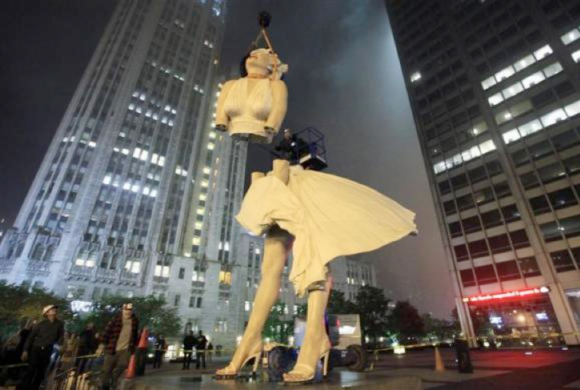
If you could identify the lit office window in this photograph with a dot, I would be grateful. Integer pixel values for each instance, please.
(162, 271)
(512, 90)
(464, 156)
(505, 73)
(576, 56)
(533, 79)
(573, 109)
(570, 36)
(536, 125)
(543, 52)
(517, 66)
(415, 77)
(553, 69)
(553, 117)
(495, 99)
(524, 62)
(488, 83)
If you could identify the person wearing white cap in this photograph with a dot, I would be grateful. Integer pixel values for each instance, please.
(39, 345)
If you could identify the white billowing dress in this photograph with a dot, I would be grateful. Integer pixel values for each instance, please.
(329, 217)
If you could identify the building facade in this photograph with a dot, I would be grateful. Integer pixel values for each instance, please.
(123, 203)
(495, 92)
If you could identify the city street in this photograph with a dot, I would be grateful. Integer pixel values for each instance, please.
(515, 369)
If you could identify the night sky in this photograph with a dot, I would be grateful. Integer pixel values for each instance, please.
(344, 79)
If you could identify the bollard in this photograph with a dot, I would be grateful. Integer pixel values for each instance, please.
(439, 366)
(464, 365)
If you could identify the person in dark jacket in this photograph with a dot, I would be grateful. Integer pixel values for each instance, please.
(119, 341)
(160, 348)
(39, 346)
(200, 350)
(189, 342)
(292, 147)
(87, 346)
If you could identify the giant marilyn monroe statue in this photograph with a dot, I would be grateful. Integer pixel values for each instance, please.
(254, 106)
(328, 217)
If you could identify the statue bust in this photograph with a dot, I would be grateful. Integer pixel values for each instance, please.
(254, 105)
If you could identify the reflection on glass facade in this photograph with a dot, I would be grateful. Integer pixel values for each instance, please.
(504, 76)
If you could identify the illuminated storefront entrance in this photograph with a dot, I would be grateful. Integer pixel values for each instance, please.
(515, 318)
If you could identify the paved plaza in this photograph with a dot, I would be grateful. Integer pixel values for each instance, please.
(515, 369)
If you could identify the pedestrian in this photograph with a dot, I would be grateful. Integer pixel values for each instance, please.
(200, 349)
(209, 352)
(87, 346)
(46, 336)
(160, 348)
(119, 341)
(189, 342)
(292, 147)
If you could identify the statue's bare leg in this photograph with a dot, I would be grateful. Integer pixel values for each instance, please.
(316, 344)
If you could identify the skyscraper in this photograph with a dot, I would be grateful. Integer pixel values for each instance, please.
(495, 91)
(122, 202)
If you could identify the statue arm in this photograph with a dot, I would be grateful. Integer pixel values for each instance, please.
(280, 97)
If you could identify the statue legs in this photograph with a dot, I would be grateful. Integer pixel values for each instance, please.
(273, 262)
(316, 344)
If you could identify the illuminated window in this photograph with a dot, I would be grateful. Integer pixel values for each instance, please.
(543, 52)
(488, 83)
(196, 241)
(512, 90)
(511, 136)
(576, 56)
(162, 271)
(530, 127)
(473, 152)
(495, 99)
(553, 69)
(570, 36)
(226, 277)
(533, 79)
(524, 62)
(415, 77)
(505, 73)
(573, 109)
(133, 266)
(553, 117)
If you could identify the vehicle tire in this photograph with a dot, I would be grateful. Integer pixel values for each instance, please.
(359, 356)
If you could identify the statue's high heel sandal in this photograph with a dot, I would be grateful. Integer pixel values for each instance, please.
(229, 373)
(303, 374)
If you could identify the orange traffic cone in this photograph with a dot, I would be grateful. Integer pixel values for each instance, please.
(143, 339)
(130, 373)
(439, 366)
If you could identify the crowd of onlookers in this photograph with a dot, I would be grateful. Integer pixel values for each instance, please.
(30, 355)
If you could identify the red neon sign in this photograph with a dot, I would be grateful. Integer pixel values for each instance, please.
(507, 295)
